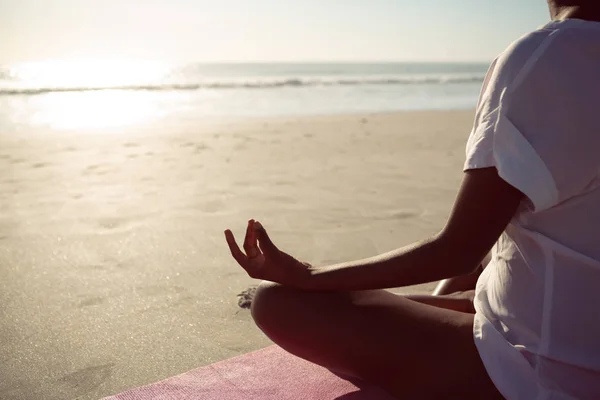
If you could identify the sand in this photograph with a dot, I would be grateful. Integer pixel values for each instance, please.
(114, 270)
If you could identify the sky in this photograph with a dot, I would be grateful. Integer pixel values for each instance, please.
(264, 30)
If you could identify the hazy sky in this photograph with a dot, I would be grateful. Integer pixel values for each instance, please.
(264, 30)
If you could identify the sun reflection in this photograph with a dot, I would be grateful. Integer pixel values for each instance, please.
(82, 73)
(95, 110)
(90, 94)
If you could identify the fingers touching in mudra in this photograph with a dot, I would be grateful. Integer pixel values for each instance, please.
(263, 260)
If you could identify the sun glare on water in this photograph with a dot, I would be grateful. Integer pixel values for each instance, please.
(91, 94)
(94, 110)
(80, 74)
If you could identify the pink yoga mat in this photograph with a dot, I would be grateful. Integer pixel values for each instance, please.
(267, 374)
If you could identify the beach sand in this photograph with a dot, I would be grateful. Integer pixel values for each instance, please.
(114, 269)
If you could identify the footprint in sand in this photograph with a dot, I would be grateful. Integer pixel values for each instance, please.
(399, 214)
(404, 214)
(110, 223)
(121, 224)
(212, 207)
(96, 169)
(246, 297)
(92, 301)
(87, 379)
(201, 147)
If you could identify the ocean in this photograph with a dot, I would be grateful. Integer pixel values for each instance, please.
(80, 95)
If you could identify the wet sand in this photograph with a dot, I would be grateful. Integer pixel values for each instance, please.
(114, 270)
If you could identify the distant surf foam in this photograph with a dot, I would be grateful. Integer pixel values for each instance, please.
(252, 84)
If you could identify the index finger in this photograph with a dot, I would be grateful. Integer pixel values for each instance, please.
(239, 256)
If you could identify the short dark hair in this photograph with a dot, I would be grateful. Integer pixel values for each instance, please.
(576, 2)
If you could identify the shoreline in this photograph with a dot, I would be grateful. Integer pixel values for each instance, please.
(158, 127)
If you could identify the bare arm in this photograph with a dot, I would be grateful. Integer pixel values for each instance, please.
(483, 208)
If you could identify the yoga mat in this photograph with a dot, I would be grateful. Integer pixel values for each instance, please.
(267, 374)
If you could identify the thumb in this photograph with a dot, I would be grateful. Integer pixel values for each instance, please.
(264, 241)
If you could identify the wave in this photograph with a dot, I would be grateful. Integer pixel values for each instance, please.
(255, 84)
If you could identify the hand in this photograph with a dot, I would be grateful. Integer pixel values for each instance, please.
(263, 260)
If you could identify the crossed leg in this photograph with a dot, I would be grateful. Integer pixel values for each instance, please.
(410, 348)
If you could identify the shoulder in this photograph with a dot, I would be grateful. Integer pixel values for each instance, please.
(528, 45)
(522, 55)
(510, 66)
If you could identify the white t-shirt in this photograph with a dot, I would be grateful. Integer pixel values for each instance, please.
(537, 321)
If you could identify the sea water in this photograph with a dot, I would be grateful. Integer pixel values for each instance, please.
(63, 95)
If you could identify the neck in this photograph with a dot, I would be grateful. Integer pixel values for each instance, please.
(583, 9)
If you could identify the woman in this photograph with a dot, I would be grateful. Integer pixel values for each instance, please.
(531, 190)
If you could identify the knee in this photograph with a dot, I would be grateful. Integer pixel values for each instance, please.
(269, 300)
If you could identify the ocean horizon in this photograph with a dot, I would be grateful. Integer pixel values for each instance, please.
(59, 95)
